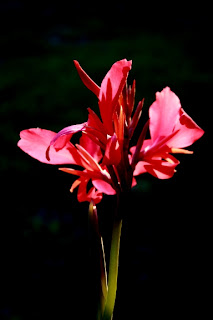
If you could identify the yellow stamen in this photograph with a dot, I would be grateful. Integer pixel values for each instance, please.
(116, 124)
(121, 125)
(169, 160)
(75, 184)
(177, 150)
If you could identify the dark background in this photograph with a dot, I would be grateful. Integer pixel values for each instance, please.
(46, 249)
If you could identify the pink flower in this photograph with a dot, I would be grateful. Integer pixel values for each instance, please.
(104, 153)
(38, 144)
(171, 130)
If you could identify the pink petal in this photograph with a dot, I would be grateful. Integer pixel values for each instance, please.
(63, 136)
(188, 132)
(158, 168)
(36, 143)
(164, 114)
(146, 145)
(103, 186)
(111, 88)
(89, 145)
(89, 83)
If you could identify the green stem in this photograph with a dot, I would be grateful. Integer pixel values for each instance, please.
(113, 270)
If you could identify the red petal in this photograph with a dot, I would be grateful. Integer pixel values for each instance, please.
(164, 114)
(104, 187)
(136, 117)
(139, 144)
(112, 155)
(36, 143)
(85, 174)
(82, 195)
(134, 182)
(131, 99)
(90, 160)
(89, 83)
(94, 195)
(111, 88)
(96, 128)
(89, 145)
(64, 135)
(95, 122)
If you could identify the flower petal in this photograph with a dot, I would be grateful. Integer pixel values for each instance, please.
(136, 117)
(88, 82)
(188, 132)
(93, 164)
(36, 143)
(92, 194)
(112, 155)
(158, 168)
(85, 173)
(111, 88)
(95, 122)
(164, 114)
(63, 136)
(89, 145)
(103, 186)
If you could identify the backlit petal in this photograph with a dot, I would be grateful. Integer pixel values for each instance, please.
(83, 173)
(89, 83)
(36, 143)
(158, 168)
(164, 114)
(64, 135)
(111, 88)
(188, 132)
(89, 145)
(104, 187)
(112, 155)
(92, 194)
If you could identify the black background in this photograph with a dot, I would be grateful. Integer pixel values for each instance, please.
(48, 268)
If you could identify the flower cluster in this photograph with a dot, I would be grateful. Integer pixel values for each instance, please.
(105, 161)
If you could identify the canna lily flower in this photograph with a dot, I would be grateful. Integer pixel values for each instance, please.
(171, 130)
(104, 151)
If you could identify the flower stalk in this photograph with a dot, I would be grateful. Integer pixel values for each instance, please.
(113, 270)
(108, 287)
(93, 223)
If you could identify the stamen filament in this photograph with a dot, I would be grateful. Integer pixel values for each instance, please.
(179, 150)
